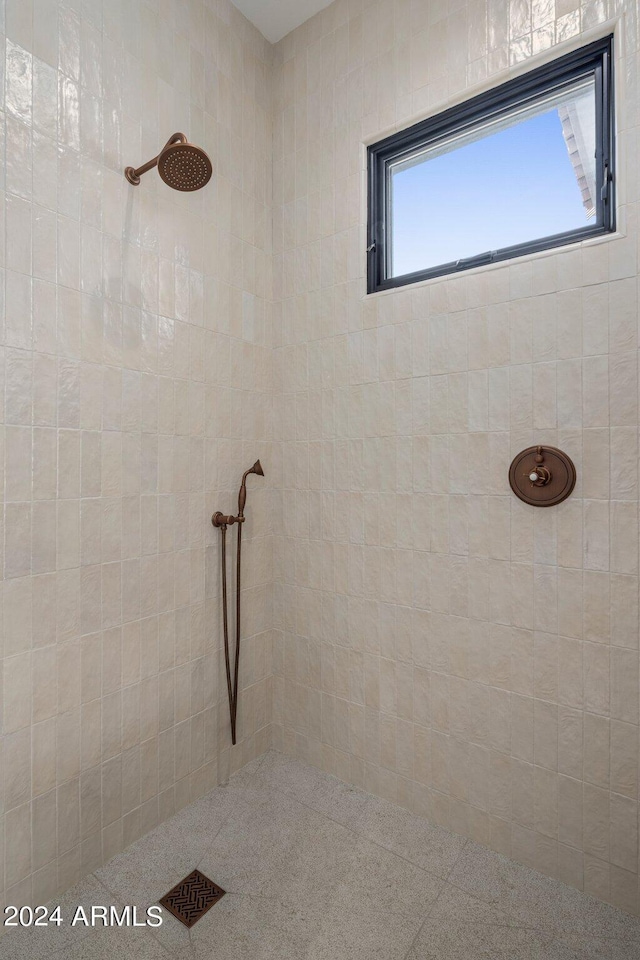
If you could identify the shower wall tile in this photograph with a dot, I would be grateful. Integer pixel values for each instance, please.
(136, 360)
(411, 628)
(437, 641)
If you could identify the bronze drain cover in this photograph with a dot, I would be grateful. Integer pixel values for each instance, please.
(192, 898)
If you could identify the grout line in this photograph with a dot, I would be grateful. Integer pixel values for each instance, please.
(375, 843)
(433, 905)
(149, 931)
(226, 819)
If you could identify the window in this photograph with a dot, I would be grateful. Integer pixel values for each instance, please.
(521, 168)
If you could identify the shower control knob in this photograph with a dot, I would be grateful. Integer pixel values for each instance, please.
(542, 476)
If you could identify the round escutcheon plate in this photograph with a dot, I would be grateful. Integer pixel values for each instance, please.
(542, 476)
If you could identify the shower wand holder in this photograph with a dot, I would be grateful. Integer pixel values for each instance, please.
(221, 520)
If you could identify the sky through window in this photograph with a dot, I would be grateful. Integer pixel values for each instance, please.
(512, 186)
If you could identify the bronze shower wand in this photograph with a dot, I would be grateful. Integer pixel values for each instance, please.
(242, 495)
(223, 521)
(181, 164)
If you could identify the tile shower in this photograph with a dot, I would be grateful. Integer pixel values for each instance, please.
(137, 369)
(410, 627)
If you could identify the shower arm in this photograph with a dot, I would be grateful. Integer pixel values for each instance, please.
(133, 174)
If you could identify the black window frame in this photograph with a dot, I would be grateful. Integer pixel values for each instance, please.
(595, 59)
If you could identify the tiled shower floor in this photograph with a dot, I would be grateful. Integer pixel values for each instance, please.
(318, 871)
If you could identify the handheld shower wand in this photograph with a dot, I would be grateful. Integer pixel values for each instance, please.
(242, 495)
(223, 521)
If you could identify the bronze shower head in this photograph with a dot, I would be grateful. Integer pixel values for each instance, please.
(181, 164)
(256, 468)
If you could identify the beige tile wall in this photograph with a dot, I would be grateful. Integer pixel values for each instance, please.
(437, 641)
(136, 357)
(440, 643)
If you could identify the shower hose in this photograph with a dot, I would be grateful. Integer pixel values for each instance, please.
(222, 522)
(232, 684)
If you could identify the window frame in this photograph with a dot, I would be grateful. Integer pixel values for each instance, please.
(595, 59)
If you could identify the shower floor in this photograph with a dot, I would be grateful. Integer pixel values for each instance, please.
(316, 870)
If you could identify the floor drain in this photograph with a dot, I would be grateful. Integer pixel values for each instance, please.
(192, 897)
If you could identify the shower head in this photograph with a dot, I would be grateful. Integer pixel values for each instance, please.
(257, 469)
(181, 164)
(184, 166)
